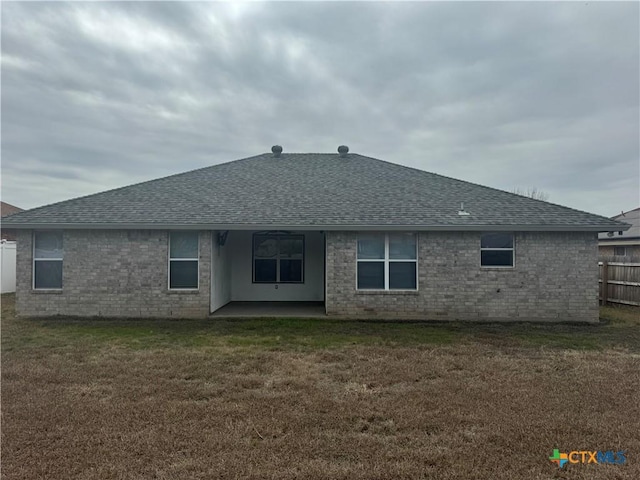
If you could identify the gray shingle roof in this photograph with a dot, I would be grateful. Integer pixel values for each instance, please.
(305, 191)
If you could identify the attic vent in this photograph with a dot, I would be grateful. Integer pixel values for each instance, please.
(277, 150)
(343, 150)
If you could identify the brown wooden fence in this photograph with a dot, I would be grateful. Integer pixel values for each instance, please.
(620, 282)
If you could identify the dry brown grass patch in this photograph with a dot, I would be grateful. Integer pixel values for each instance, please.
(468, 410)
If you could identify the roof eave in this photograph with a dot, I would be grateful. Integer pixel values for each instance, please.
(620, 238)
(213, 226)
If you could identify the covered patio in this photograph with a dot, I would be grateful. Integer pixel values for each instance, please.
(256, 272)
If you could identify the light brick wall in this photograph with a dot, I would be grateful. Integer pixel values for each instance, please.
(113, 273)
(555, 279)
(119, 273)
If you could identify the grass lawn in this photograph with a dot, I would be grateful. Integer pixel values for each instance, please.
(311, 399)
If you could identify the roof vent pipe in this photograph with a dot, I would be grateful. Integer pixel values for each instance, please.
(277, 150)
(343, 150)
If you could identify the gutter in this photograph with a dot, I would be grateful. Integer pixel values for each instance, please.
(415, 228)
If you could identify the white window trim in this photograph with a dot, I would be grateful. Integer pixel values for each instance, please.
(34, 260)
(488, 249)
(169, 260)
(624, 249)
(387, 261)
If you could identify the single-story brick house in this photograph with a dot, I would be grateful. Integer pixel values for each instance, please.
(366, 237)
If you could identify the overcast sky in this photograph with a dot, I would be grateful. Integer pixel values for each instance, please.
(102, 95)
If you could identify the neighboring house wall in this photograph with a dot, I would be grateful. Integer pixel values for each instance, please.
(243, 289)
(9, 234)
(113, 273)
(631, 251)
(629, 239)
(555, 278)
(8, 266)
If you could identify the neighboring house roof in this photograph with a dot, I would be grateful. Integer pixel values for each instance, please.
(312, 191)
(631, 236)
(8, 209)
(5, 210)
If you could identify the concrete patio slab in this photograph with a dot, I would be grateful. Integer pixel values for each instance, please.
(271, 309)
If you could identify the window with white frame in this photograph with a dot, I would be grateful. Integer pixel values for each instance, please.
(48, 254)
(496, 250)
(278, 258)
(620, 251)
(183, 260)
(387, 261)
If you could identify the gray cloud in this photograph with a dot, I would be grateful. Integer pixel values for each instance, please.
(101, 95)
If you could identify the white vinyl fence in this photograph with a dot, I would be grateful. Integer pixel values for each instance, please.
(8, 266)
